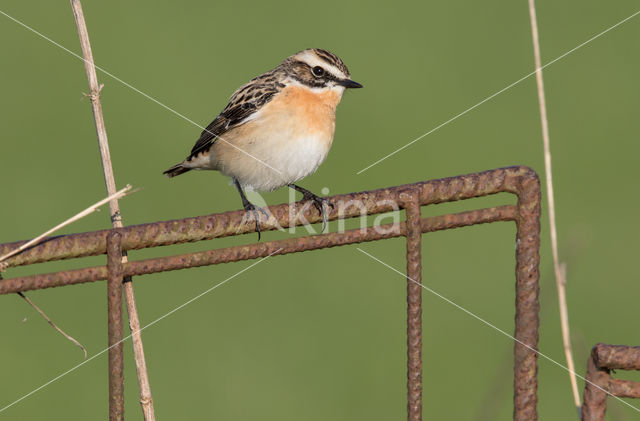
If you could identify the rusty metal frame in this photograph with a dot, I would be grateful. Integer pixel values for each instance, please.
(114, 325)
(603, 359)
(521, 181)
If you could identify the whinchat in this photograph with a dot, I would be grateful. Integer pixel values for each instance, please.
(276, 129)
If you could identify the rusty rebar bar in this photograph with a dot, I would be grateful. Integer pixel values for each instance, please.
(253, 251)
(602, 360)
(527, 305)
(521, 181)
(624, 388)
(234, 222)
(617, 357)
(115, 330)
(414, 309)
(594, 398)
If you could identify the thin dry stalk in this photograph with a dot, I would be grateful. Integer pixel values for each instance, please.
(62, 332)
(146, 400)
(559, 269)
(39, 238)
(80, 215)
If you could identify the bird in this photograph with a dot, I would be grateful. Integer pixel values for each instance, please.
(276, 129)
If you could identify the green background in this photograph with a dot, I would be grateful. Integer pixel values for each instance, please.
(321, 335)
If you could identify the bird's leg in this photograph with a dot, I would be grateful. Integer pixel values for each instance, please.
(250, 208)
(317, 201)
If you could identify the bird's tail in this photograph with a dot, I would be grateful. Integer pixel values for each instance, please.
(176, 170)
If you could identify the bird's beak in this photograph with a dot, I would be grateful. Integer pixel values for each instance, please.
(348, 83)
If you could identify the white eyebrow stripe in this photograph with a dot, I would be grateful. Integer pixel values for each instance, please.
(312, 60)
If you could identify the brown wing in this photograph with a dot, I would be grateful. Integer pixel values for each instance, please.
(244, 102)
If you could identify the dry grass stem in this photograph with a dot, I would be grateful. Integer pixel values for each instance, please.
(146, 401)
(559, 269)
(39, 238)
(62, 332)
(87, 211)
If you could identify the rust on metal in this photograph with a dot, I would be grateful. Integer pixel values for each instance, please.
(254, 251)
(234, 222)
(414, 308)
(114, 329)
(599, 384)
(521, 181)
(624, 388)
(527, 305)
(617, 357)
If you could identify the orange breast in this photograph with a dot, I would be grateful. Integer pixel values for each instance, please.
(316, 111)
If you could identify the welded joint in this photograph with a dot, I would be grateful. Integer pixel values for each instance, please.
(599, 385)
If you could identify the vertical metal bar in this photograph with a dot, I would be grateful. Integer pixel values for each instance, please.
(414, 311)
(115, 332)
(527, 306)
(594, 404)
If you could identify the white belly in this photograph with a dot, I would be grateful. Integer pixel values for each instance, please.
(283, 161)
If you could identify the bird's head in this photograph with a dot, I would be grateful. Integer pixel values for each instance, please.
(318, 68)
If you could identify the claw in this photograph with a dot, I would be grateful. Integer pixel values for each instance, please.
(320, 204)
(325, 217)
(254, 211)
(250, 208)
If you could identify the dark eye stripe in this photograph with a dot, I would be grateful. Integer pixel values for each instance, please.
(325, 73)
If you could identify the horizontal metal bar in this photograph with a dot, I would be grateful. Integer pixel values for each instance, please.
(617, 357)
(624, 388)
(156, 234)
(253, 251)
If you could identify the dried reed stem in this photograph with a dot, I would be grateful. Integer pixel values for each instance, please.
(146, 400)
(87, 211)
(559, 269)
(62, 332)
(39, 238)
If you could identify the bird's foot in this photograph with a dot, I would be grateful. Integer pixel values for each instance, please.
(253, 211)
(319, 203)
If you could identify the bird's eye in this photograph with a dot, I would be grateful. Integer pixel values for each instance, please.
(318, 71)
